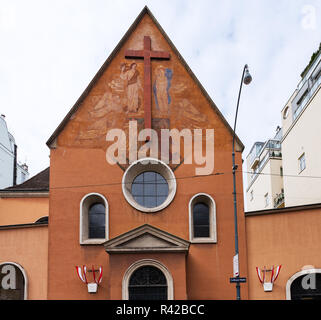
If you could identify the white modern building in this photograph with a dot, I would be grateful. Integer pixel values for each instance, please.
(264, 175)
(11, 172)
(301, 145)
(286, 171)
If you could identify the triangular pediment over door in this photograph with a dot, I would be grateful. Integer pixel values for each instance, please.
(146, 239)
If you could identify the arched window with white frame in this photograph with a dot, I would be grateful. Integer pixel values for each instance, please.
(202, 219)
(94, 221)
(147, 279)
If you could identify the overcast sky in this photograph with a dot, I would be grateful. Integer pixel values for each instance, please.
(50, 51)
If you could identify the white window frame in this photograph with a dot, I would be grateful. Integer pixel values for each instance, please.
(147, 262)
(148, 164)
(24, 274)
(83, 225)
(206, 198)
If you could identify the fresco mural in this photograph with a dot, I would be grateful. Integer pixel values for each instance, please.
(120, 99)
(127, 89)
(162, 84)
(130, 75)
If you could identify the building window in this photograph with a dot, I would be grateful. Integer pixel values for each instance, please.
(96, 221)
(147, 279)
(93, 219)
(13, 282)
(202, 219)
(281, 171)
(150, 189)
(266, 199)
(302, 163)
(147, 283)
(149, 185)
(286, 112)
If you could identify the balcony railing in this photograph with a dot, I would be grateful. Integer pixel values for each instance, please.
(264, 160)
(307, 98)
(257, 153)
(279, 200)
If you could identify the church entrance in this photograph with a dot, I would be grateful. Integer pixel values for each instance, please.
(306, 287)
(147, 283)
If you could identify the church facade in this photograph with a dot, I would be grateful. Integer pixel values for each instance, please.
(128, 217)
(147, 208)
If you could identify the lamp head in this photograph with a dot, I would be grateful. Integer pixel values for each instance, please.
(247, 77)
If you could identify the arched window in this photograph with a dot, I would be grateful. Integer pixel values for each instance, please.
(147, 279)
(147, 283)
(96, 223)
(202, 219)
(304, 285)
(13, 282)
(93, 219)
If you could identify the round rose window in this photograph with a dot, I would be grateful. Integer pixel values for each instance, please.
(149, 185)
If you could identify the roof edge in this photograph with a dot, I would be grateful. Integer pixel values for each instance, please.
(24, 194)
(97, 76)
(112, 55)
(283, 210)
(24, 225)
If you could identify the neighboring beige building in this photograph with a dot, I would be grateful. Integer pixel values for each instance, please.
(286, 171)
(300, 142)
(264, 175)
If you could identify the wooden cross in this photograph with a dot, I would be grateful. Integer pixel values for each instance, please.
(147, 54)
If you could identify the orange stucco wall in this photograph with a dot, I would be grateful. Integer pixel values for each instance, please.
(205, 280)
(291, 239)
(28, 247)
(78, 166)
(22, 210)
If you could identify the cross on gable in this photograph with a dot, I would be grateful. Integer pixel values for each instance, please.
(147, 54)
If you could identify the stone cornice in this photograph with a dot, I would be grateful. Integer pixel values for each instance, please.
(24, 194)
(146, 239)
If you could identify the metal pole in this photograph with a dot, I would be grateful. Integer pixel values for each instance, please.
(234, 168)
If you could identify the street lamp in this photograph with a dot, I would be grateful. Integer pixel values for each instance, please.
(246, 79)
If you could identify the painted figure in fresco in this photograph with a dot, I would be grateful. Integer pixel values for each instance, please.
(161, 88)
(131, 76)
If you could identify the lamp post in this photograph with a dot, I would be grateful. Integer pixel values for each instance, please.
(246, 79)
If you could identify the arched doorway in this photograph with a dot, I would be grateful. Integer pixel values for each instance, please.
(305, 285)
(13, 282)
(147, 279)
(147, 283)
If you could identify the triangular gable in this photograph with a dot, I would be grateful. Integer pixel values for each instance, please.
(146, 239)
(51, 140)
